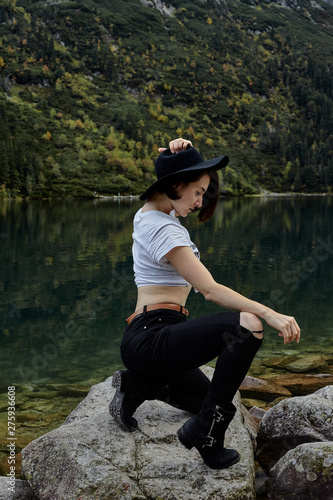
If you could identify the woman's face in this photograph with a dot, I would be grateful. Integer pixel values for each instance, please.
(191, 196)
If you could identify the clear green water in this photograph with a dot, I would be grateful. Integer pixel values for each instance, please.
(66, 283)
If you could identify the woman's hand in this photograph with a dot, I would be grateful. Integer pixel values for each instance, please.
(287, 325)
(177, 145)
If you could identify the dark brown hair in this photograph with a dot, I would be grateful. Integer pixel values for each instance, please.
(210, 197)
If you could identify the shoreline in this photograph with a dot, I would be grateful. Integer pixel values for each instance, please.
(263, 194)
(271, 194)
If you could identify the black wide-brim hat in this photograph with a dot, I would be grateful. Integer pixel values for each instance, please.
(169, 164)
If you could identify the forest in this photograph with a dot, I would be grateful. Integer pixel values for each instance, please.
(89, 90)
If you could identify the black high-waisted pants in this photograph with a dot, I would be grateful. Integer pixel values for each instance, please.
(162, 345)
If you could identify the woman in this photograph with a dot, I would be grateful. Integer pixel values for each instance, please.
(161, 350)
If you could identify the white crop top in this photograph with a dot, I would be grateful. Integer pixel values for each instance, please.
(155, 234)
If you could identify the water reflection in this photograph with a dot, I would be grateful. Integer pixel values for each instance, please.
(66, 280)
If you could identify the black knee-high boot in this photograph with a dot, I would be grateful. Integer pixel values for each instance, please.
(206, 433)
(123, 405)
(206, 430)
(131, 391)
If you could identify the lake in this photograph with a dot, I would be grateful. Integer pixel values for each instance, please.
(66, 282)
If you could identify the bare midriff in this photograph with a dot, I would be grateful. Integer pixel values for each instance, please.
(156, 294)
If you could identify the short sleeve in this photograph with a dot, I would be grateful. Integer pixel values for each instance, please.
(164, 238)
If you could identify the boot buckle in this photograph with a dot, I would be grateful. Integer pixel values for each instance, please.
(218, 417)
(210, 441)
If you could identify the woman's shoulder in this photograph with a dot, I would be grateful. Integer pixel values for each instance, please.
(156, 217)
(154, 224)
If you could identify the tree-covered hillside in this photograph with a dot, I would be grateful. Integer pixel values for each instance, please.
(90, 89)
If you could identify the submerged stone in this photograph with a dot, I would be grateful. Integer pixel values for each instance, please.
(307, 363)
(250, 403)
(256, 388)
(69, 390)
(279, 361)
(302, 384)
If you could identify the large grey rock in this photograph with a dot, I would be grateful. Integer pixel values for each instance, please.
(89, 457)
(293, 422)
(304, 473)
(15, 490)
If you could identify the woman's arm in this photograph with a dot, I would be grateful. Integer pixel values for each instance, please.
(190, 267)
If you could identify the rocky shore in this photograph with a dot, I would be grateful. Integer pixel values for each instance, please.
(283, 430)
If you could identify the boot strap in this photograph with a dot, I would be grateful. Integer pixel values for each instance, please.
(208, 441)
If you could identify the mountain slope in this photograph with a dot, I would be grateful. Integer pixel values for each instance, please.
(90, 90)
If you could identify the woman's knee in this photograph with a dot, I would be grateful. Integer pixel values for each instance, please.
(251, 322)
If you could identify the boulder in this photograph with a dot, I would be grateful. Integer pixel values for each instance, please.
(257, 413)
(19, 491)
(305, 472)
(292, 422)
(90, 457)
(257, 388)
